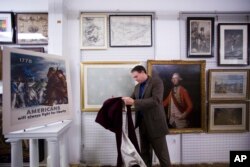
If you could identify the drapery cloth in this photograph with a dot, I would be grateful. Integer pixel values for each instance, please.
(110, 117)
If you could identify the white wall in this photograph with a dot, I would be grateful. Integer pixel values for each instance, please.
(97, 144)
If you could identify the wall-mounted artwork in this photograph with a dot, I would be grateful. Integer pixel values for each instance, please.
(93, 31)
(7, 30)
(184, 93)
(32, 28)
(103, 80)
(36, 49)
(228, 117)
(130, 30)
(36, 89)
(233, 44)
(225, 84)
(200, 37)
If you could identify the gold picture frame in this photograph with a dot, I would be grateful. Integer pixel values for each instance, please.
(103, 80)
(225, 116)
(192, 74)
(228, 84)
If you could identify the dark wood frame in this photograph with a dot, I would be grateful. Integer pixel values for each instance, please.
(110, 42)
(28, 43)
(219, 44)
(200, 55)
(12, 27)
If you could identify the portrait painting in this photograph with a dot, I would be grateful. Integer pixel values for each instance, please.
(37, 89)
(7, 28)
(200, 37)
(233, 44)
(103, 80)
(130, 30)
(184, 93)
(228, 117)
(32, 28)
(226, 84)
(93, 31)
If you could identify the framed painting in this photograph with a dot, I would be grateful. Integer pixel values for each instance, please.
(35, 49)
(184, 93)
(1, 63)
(233, 44)
(130, 30)
(226, 84)
(228, 117)
(115, 79)
(200, 37)
(32, 28)
(7, 28)
(93, 31)
(36, 89)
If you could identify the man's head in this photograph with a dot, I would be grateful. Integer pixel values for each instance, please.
(139, 73)
(176, 78)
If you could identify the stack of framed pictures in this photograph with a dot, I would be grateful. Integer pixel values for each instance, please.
(228, 105)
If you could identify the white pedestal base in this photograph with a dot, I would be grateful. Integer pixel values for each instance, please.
(54, 134)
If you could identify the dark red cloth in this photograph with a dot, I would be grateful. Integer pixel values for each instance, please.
(110, 117)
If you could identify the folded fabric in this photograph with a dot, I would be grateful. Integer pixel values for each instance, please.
(110, 117)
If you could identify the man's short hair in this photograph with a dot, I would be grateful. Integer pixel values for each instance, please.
(139, 68)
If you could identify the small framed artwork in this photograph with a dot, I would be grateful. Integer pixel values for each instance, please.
(200, 37)
(130, 30)
(93, 31)
(36, 49)
(7, 30)
(115, 79)
(32, 28)
(227, 84)
(184, 93)
(233, 44)
(228, 117)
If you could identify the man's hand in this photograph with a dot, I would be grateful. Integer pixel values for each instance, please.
(128, 100)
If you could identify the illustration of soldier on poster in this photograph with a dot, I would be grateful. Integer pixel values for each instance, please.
(36, 81)
(37, 86)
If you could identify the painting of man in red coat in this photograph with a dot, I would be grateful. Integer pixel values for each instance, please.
(184, 93)
(178, 103)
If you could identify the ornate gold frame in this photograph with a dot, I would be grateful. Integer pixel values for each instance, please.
(100, 64)
(202, 64)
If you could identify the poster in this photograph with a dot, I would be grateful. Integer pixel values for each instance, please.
(36, 89)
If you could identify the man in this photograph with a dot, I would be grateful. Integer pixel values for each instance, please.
(150, 116)
(178, 103)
